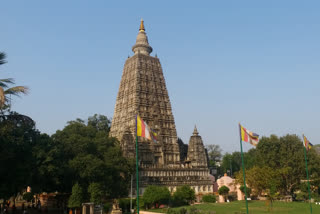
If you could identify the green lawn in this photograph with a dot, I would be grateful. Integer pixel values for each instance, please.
(255, 207)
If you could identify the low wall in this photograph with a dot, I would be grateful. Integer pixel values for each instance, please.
(146, 212)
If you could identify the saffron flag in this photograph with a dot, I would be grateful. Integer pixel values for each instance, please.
(143, 130)
(248, 136)
(307, 143)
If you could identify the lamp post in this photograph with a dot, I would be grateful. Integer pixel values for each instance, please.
(230, 166)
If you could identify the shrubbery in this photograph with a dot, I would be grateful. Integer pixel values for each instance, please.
(248, 190)
(184, 195)
(76, 198)
(107, 207)
(28, 196)
(224, 190)
(156, 195)
(96, 193)
(124, 204)
(209, 198)
(232, 196)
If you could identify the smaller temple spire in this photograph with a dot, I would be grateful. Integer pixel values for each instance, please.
(141, 26)
(195, 131)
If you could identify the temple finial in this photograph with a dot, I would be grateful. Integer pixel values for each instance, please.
(142, 45)
(195, 131)
(141, 26)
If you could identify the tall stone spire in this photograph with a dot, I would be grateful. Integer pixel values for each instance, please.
(143, 91)
(142, 45)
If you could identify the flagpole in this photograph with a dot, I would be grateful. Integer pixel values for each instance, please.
(131, 195)
(244, 175)
(305, 157)
(137, 167)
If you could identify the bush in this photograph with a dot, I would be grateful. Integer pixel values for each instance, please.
(183, 211)
(96, 192)
(224, 191)
(302, 196)
(248, 190)
(28, 196)
(76, 197)
(183, 196)
(193, 210)
(209, 198)
(107, 207)
(172, 211)
(124, 204)
(233, 196)
(156, 195)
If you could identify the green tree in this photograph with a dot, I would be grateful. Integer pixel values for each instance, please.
(281, 158)
(259, 179)
(272, 193)
(243, 190)
(76, 198)
(214, 154)
(183, 195)
(17, 138)
(154, 195)
(6, 90)
(250, 158)
(224, 191)
(286, 154)
(303, 193)
(100, 122)
(231, 162)
(96, 193)
(86, 154)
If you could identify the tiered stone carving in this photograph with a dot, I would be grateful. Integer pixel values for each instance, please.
(128, 148)
(196, 151)
(143, 92)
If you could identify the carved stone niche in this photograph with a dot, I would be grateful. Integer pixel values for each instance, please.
(127, 144)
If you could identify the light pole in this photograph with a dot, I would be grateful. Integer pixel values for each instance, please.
(230, 166)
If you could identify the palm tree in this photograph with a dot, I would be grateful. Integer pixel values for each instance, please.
(5, 88)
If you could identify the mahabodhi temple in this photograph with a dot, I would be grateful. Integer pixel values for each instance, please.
(143, 92)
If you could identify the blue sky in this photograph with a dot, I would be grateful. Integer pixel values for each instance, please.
(254, 62)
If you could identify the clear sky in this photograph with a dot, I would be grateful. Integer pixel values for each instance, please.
(254, 62)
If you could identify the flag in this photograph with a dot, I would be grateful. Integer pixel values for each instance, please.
(153, 135)
(248, 136)
(143, 130)
(307, 143)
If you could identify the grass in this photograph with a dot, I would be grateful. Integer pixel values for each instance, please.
(255, 207)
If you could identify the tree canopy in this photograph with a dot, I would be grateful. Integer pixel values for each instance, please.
(82, 153)
(278, 163)
(17, 138)
(76, 198)
(183, 195)
(86, 154)
(154, 195)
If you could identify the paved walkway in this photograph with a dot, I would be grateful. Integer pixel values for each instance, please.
(146, 212)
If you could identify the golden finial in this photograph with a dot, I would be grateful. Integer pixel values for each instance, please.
(141, 26)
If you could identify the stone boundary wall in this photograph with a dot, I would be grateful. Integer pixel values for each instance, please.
(146, 212)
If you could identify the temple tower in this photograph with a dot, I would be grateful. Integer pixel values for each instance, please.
(143, 91)
(196, 151)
